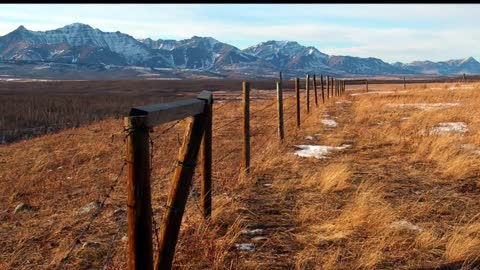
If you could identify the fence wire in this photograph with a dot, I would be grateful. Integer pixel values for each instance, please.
(99, 209)
(110, 250)
(108, 256)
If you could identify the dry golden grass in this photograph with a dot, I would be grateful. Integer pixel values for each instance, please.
(464, 244)
(399, 198)
(334, 177)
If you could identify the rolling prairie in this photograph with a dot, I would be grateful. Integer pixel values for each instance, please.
(397, 188)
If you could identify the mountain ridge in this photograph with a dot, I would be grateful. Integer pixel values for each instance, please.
(81, 43)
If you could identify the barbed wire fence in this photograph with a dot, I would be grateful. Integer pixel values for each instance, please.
(163, 177)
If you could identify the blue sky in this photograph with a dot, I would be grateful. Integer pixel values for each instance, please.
(395, 32)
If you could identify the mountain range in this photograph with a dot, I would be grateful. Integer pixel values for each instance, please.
(78, 48)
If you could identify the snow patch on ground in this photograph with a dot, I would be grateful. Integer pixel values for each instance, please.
(461, 87)
(424, 106)
(329, 122)
(41, 67)
(318, 151)
(308, 138)
(245, 246)
(372, 93)
(470, 147)
(343, 102)
(162, 78)
(89, 207)
(252, 232)
(453, 87)
(378, 92)
(403, 224)
(448, 127)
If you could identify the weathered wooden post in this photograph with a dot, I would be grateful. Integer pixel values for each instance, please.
(280, 78)
(246, 127)
(331, 86)
(280, 111)
(307, 90)
(206, 158)
(297, 93)
(366, 85)
(177, 197)
(315, 90)
(404, 83)
(335, 86)
(139, 202)
(464, 78)
(328, 87)
(321, 83)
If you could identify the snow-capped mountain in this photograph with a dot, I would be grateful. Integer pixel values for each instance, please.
(167, 44)
(78, 43)
(201, 53)
(357, 65)
(451, 67)
(82, 44)
(289, 55)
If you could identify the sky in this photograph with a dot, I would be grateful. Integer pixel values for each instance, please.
(391, 32)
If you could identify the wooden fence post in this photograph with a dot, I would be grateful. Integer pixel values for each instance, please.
(297, 93)
(335, 86)
(206, 160)
(328, 87)
(139, 202)
(177, 197)
(307, 89)
(321, 82)
(366, 85)
(315, 90)
(280, 111)
(331, 85)
(280, 78)
(246, 127)
(404, 83)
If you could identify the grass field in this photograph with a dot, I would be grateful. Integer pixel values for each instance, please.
(401, 192)
(30, 109)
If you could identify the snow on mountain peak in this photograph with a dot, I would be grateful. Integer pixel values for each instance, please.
(77, 26)
(467, 60)
(201, 41)
(21, 28)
